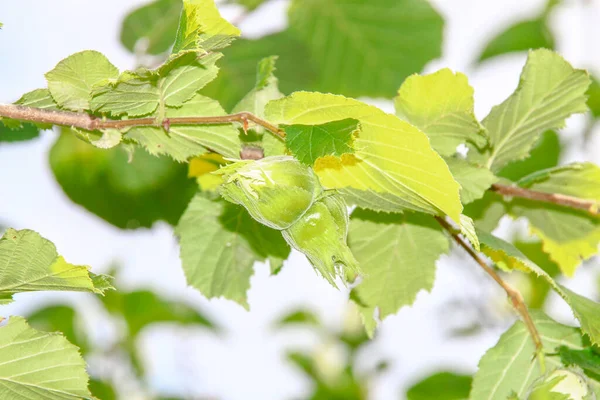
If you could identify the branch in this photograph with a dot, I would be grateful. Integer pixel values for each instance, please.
(91, 123)
(515, 296)
(590, 206)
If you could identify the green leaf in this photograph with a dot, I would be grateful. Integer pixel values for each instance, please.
(155, 23)
(220, 243)
(72, 80)
(587, 359)
(473, 179)
(102, 390)
(143, 307)
(539, 288)
(251, 5)
(550, 90)
(441, 105)
(441, 386)
(509, 257)
(393, 168)
(367, 48)
(30, 263)
(299, 318)
(61, 319)
(467, 228)
(38, 365)
(397, 254)
(310, 142)
(508, 366)
(184, 141)
(569, 236)
(593, 97)
(580, 180)
(265, 89)
(201, 28)
(544, 155)
(126, 194)
(38, 98)
(487, 211)
(23, 132)
(237, 74)
(142, 92)
(522, 36)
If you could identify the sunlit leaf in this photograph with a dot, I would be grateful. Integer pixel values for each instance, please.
(393, 167)
(397, 254)
(569, 236)
(508, 366)
(29, 263)
(62, 319)
(38, 365)
(220, 243)
(71, 82)
(441, 105)
(201, 27)
(509, 257)
(550, 90)
(311, 142)
(184, 141)
(473, 179)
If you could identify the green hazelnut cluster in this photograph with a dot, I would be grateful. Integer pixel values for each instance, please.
(282, 193)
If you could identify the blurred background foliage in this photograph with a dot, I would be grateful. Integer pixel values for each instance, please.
(131, 189)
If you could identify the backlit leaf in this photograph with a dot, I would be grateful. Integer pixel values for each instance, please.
(310, 142)
(70, 83)
(393, 167)
(220, 243)
(39, 365)
(508, 256)
(550, 90)
(508, 367)
(569, 236)
(473, 179)
(441, 105)
(30, 263)
(201, 28)
(397, 254)
(184, 141)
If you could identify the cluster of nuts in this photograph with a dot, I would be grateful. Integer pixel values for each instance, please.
(286, 195)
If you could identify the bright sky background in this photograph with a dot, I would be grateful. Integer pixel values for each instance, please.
(247, 362)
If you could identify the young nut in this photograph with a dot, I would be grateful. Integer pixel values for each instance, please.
(321, 235)
(276, 190)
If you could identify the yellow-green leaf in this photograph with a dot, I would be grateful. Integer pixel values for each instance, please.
(393, 167)
(29, 263)
(201, 28)
(441, 105)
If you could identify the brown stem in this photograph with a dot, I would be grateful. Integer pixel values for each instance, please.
(590, 206)
(88, 122)
(514, 295)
